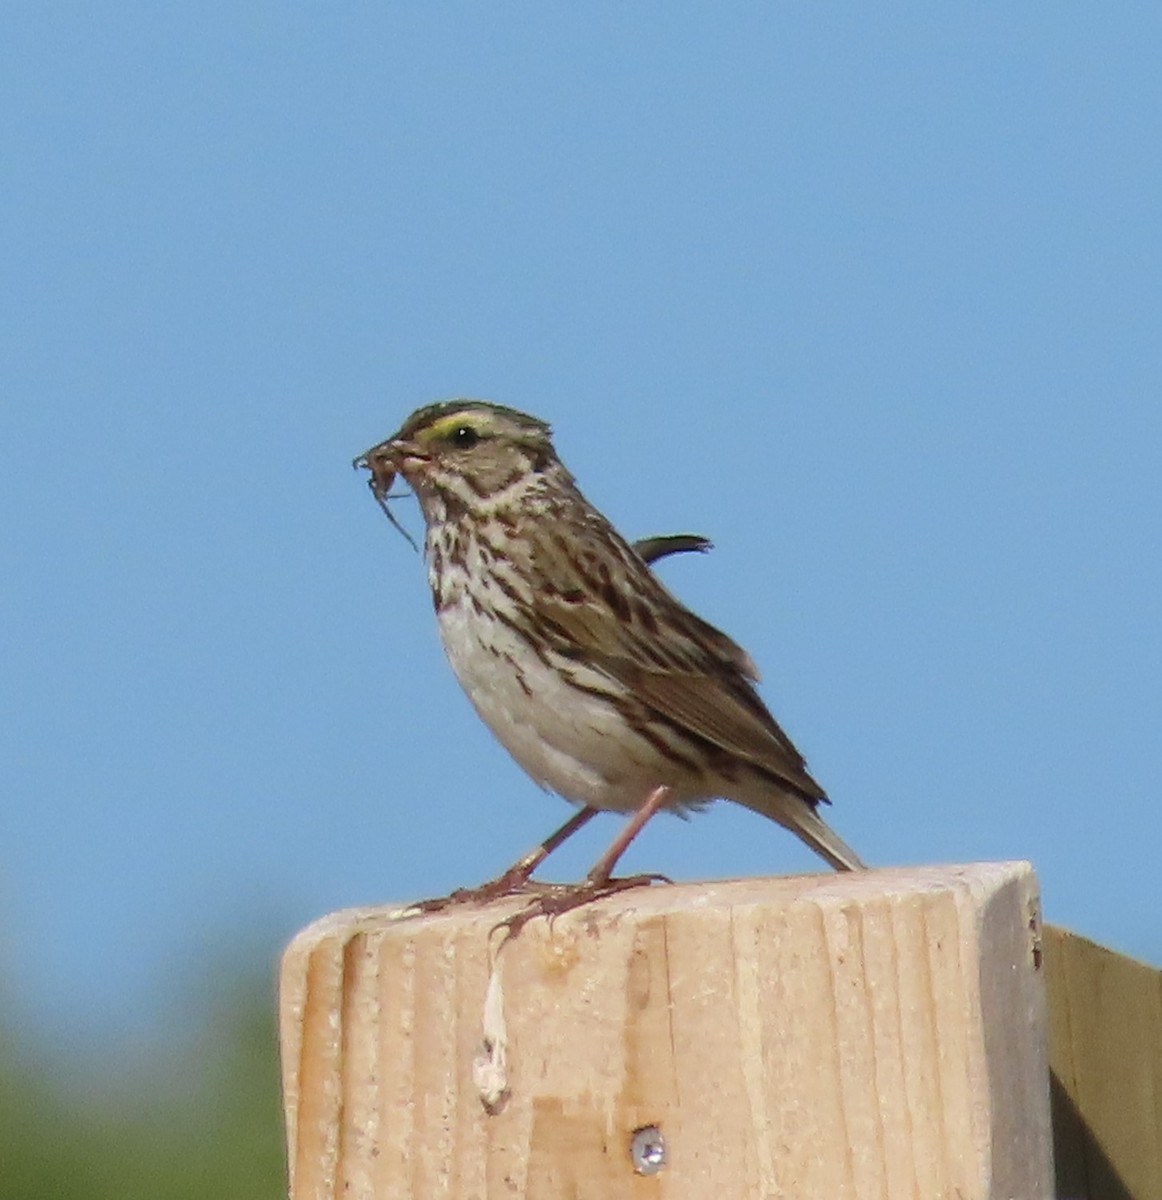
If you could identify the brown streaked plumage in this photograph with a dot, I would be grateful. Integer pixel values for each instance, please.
(602, 685)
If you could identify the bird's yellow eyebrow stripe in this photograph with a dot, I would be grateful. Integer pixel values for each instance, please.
(446, 425)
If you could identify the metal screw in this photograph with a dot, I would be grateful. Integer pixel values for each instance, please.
(648, 1150)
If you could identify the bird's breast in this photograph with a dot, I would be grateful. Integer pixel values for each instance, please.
(571, 739)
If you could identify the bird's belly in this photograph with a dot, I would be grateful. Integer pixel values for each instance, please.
(569, 741)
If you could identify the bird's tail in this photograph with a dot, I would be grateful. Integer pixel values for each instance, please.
(802, 818)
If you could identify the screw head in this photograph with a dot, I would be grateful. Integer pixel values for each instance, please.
(647, 1150)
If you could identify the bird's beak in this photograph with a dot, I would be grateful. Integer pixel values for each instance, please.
(385, 461)
(388, 459)
(384, 453)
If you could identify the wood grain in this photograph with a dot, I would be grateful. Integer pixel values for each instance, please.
(874, 1035)
(1105, 1053)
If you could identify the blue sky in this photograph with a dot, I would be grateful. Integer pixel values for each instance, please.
(868, 294)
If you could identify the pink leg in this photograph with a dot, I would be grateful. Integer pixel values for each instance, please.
(517, 878)
(554, 900)
(520, 870)
(603, 868)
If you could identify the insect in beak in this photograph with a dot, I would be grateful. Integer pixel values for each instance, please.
(380, 461)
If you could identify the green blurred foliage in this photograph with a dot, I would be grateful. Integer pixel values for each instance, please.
(196, 1122)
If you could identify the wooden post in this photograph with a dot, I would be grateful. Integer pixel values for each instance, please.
(879, 1034)
(1105, 1060)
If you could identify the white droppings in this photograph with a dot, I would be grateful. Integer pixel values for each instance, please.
(490, 1066)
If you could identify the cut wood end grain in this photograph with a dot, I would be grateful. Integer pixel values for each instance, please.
(877, 1033)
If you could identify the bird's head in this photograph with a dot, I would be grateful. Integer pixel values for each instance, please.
(459, 453)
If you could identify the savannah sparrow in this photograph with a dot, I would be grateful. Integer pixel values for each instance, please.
(601, 684)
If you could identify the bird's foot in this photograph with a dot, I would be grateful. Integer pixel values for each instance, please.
(553, 900)
(512, 883)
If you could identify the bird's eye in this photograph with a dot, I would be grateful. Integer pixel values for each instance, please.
(464, 436)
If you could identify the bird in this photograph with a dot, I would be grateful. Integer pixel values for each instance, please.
(598, 681)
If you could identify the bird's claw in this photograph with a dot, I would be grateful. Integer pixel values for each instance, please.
(511, 883)
(553, 900)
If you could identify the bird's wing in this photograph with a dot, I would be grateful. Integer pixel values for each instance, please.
(616, 617)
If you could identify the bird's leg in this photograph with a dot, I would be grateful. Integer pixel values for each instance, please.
(517, 878)
(602, 872)
(518, 874)
(551, 901)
